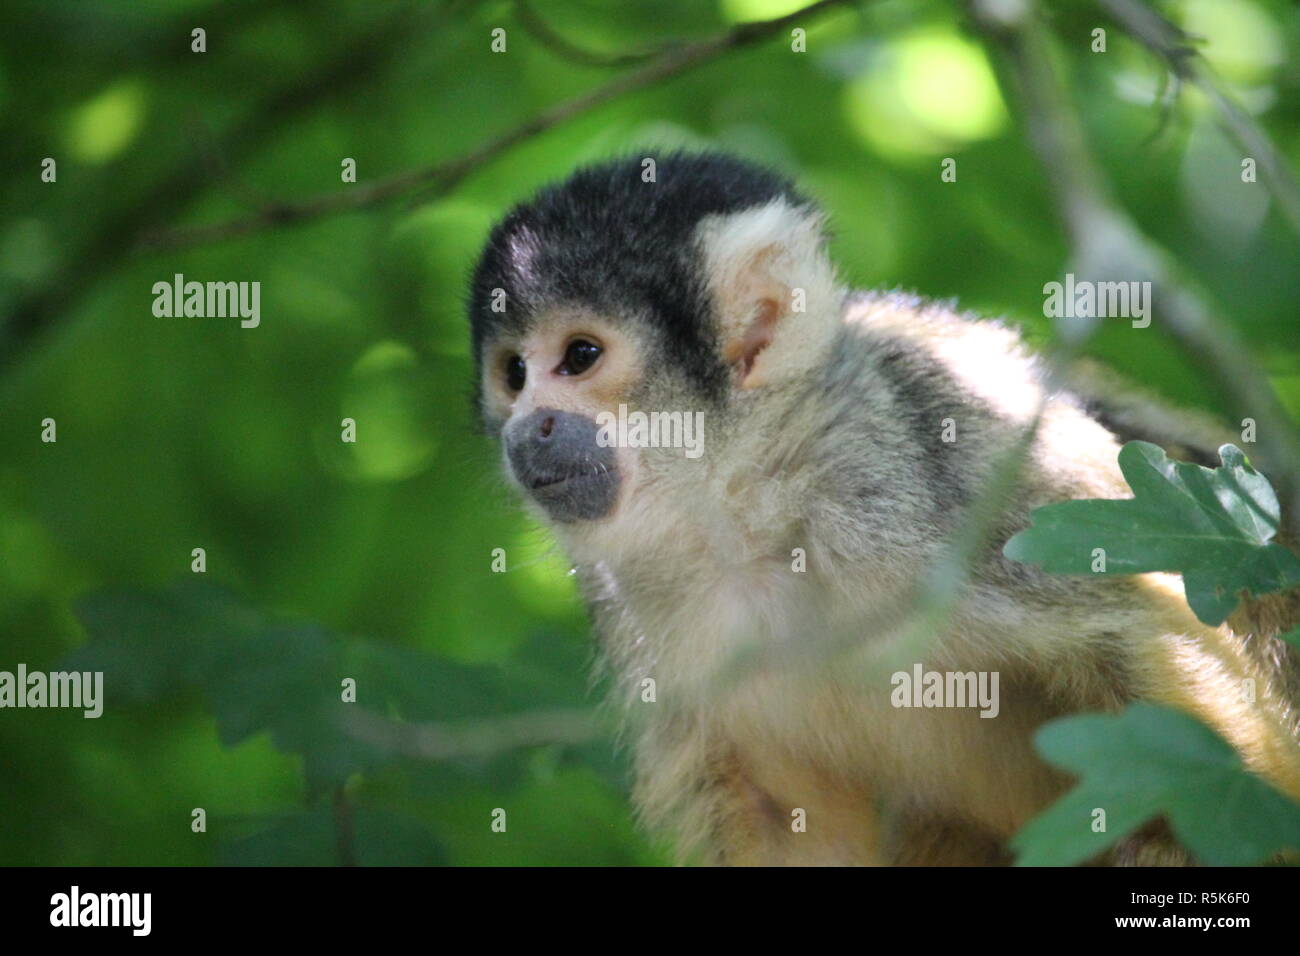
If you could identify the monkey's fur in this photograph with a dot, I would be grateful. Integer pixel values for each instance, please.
(823, 432)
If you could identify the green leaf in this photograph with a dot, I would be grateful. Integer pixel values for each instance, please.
(1149, 761)
(261, 675)
(1215, 527)
(150, 645)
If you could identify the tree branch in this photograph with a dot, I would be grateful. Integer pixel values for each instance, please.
(541, 31)
(472, 738)
(119, 232)
(442, 177)
(1105, 240)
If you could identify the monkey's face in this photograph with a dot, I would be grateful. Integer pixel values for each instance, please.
(550, 390)
(613, 312)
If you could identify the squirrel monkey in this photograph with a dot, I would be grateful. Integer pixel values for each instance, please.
(796, 518)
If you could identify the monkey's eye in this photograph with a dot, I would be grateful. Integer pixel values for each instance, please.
(579, 356)
(516, 373)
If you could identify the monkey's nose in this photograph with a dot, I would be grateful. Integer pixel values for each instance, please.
(545, 427)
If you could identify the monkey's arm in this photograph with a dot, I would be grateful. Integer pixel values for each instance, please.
(1218, 676)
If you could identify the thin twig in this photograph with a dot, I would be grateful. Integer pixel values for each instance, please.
(442, 177)
(542, 32)
(1173, 45)
(344, 828)
(470, 739)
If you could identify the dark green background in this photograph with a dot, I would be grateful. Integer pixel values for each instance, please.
(186, 432)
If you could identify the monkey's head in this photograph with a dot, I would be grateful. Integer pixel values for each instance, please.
(684, 287)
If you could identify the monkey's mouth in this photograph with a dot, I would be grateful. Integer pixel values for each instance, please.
(556, 460)
(587, 492)
(555, 479)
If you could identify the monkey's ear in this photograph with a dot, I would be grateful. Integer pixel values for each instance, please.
(774, 290)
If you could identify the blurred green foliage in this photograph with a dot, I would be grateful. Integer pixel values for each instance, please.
(182, 433)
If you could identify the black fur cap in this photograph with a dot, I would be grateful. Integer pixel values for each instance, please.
(607, 240)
